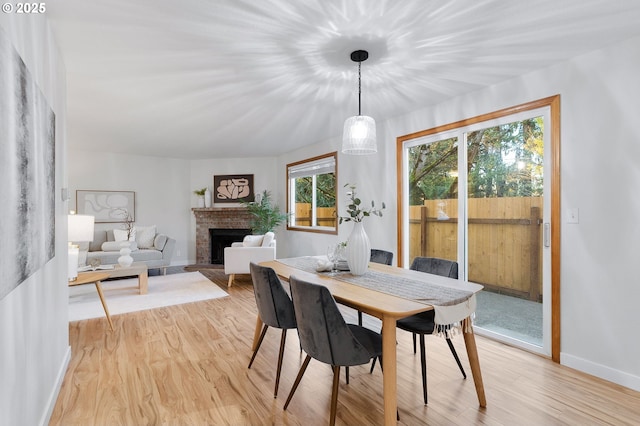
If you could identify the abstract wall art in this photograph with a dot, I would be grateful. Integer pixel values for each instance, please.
(107, 206)
(27, 172)
(232, 188)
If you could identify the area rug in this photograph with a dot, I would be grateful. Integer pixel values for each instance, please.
(122, 296)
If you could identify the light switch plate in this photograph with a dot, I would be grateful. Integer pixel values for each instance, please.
(573, 215)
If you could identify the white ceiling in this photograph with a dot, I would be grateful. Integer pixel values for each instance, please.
(249, 78)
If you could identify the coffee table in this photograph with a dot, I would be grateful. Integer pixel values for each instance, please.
(137, 269)
(95, 277)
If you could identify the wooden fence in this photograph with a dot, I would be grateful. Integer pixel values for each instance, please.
(505, 239)
(505, 249)
(325, 215)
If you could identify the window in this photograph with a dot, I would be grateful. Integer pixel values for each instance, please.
(311, 194)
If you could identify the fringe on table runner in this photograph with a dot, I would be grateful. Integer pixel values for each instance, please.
(449, 319)
(450, 330)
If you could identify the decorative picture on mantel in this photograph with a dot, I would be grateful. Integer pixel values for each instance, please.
(232, 188)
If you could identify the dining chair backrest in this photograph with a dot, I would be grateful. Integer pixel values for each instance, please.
(436, 266)
(274, 305)
(381, 256)
(324, 334)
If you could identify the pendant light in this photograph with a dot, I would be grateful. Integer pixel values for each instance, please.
(359, 135)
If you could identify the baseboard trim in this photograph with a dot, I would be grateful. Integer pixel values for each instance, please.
(53, 397)
(607, 373)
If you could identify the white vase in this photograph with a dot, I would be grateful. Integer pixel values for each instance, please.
(358, 250)
(201, 202)
(125, 258)
(207, 198)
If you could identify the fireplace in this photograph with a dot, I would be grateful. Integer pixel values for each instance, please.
(221, 238)
(229, 219)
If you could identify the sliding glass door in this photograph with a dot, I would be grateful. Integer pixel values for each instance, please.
(478, 194)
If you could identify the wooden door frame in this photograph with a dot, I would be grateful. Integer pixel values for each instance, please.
(553, 102)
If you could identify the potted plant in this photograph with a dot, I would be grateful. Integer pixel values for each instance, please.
(266, 215)
(200, 194)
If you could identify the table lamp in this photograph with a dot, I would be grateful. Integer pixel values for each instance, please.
(80, 229)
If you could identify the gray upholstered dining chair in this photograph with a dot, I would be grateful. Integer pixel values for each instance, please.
(423, 323)
(381, 256)
(274, 308)
(326, 337)
(378, 256)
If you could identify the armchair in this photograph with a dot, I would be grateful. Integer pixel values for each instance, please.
(254, 248)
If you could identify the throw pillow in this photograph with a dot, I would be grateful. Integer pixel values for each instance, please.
(268, 239)
(99, 237)
(252, 240)
(159, 242)
(145, 236)
(121, 235)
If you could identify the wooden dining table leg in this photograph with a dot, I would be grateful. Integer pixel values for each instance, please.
(472, 353)
(256, 333)
(389, 374)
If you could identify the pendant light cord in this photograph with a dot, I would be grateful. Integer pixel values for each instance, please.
(359, 89)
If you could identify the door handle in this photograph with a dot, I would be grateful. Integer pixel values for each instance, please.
(547, 235)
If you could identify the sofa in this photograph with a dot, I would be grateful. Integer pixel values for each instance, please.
(253, 248)
(147, 246)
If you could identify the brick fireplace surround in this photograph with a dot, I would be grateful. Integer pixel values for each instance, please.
(216, 217)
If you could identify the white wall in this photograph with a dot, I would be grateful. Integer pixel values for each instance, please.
(374, 177)
(600, 175)
(34, 329)
(161, 186)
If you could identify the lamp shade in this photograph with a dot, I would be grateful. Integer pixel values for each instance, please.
(80, 227)
(359, 136)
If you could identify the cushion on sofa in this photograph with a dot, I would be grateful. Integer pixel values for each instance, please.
(121, 234)
(111, 257)
(99, 237)
(117, 245)
(252, 240)
(145, 236)
(160, 241)
(268, 239)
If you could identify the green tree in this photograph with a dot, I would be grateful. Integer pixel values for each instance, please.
(502, 161)
(430, 170)
(325, 190)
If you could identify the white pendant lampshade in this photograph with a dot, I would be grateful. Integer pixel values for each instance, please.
(359, 136)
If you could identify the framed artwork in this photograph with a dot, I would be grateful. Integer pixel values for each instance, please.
(107, 206)
(232, 188)
(27, 172)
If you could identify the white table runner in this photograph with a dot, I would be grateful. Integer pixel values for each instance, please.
(451, 305)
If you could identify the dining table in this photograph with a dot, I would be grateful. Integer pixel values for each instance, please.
(390, 293)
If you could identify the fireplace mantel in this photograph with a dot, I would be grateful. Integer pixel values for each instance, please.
(216, 217)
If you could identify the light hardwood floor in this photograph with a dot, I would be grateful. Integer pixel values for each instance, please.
(187, 365)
